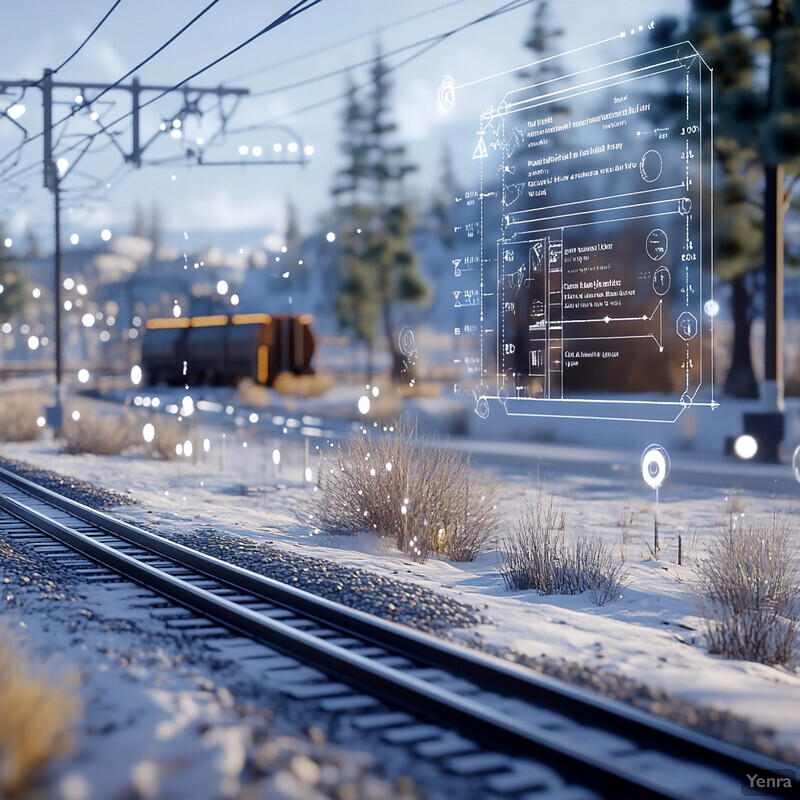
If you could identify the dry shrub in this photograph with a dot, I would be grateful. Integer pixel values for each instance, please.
(252, 394)
(749, 591)
(426, 498)
(289, 384)
(169, 433)
(37, 715)
(18, 414)
(535, 555)
(99, 434)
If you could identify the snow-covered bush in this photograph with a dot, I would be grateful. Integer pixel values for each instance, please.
(287, 383)
(534, 554)
(749, 591)
(425, 497)
(168, 433)
(101, 435)
(37, 715)
(18, 414)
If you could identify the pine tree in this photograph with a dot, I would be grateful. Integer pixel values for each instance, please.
(12, 293)
(379, 266)
(356, 298)
(754, 50)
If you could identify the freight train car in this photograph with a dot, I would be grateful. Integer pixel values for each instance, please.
(223, 350)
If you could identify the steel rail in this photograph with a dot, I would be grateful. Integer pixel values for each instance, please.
(424, 700)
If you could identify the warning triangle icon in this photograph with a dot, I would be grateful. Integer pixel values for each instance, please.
(480, 150)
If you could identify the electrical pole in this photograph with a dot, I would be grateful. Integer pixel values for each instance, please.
(55, 172)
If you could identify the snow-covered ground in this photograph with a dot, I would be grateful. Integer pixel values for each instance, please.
(651, 633)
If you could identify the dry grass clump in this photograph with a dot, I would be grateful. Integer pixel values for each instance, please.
(37, 715)
(252, 394)
(426, 498)
(18, 414)
(535, 555)
(289, 384)
(101, 435)
(749, 591)
(168, 434)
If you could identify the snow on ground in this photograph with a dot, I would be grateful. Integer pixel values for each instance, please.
(651, 633)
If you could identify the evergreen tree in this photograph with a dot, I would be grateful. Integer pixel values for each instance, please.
(298, 273)
(356, 294)
(12, 291)
(379, 265)
(754, 50)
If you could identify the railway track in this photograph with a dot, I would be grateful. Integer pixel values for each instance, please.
(523, 735)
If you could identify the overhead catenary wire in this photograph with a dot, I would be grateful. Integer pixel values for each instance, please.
(341, 42)
(424, 44)
(293, 11)
(86, 40)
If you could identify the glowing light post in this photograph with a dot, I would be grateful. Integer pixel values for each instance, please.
(655, 468)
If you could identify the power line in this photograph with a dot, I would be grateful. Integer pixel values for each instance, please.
(342, 42)
(149, 58)
(426, 45)
(295, 10)
(94, 31)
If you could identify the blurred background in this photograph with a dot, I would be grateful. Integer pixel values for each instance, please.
(215, 159)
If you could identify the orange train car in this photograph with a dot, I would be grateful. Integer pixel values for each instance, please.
(222, 350)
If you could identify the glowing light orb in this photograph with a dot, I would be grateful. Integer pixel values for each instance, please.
(41, 422)
(136, 374)
(711, 308)
(188, 448)
(74, 239)
(206, 445)
(187, 406)
(276, 457)
(309, 150)
(148, 432)
(8, 242)
(363, 404)
(222, 287)
(105, 234)
(87, 320)
(76, 415)
(308, 475)
(33, 343)
(745, 447)
(83, 375)
(330, 236)
(655, 465)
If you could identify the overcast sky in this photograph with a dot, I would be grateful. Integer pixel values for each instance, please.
(198, 201)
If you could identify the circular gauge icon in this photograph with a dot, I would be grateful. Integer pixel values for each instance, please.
(656, 244)
(651, 166)
(406, 341)
(482, 407)
(447, 94)
(662, 280)
(655, 465)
